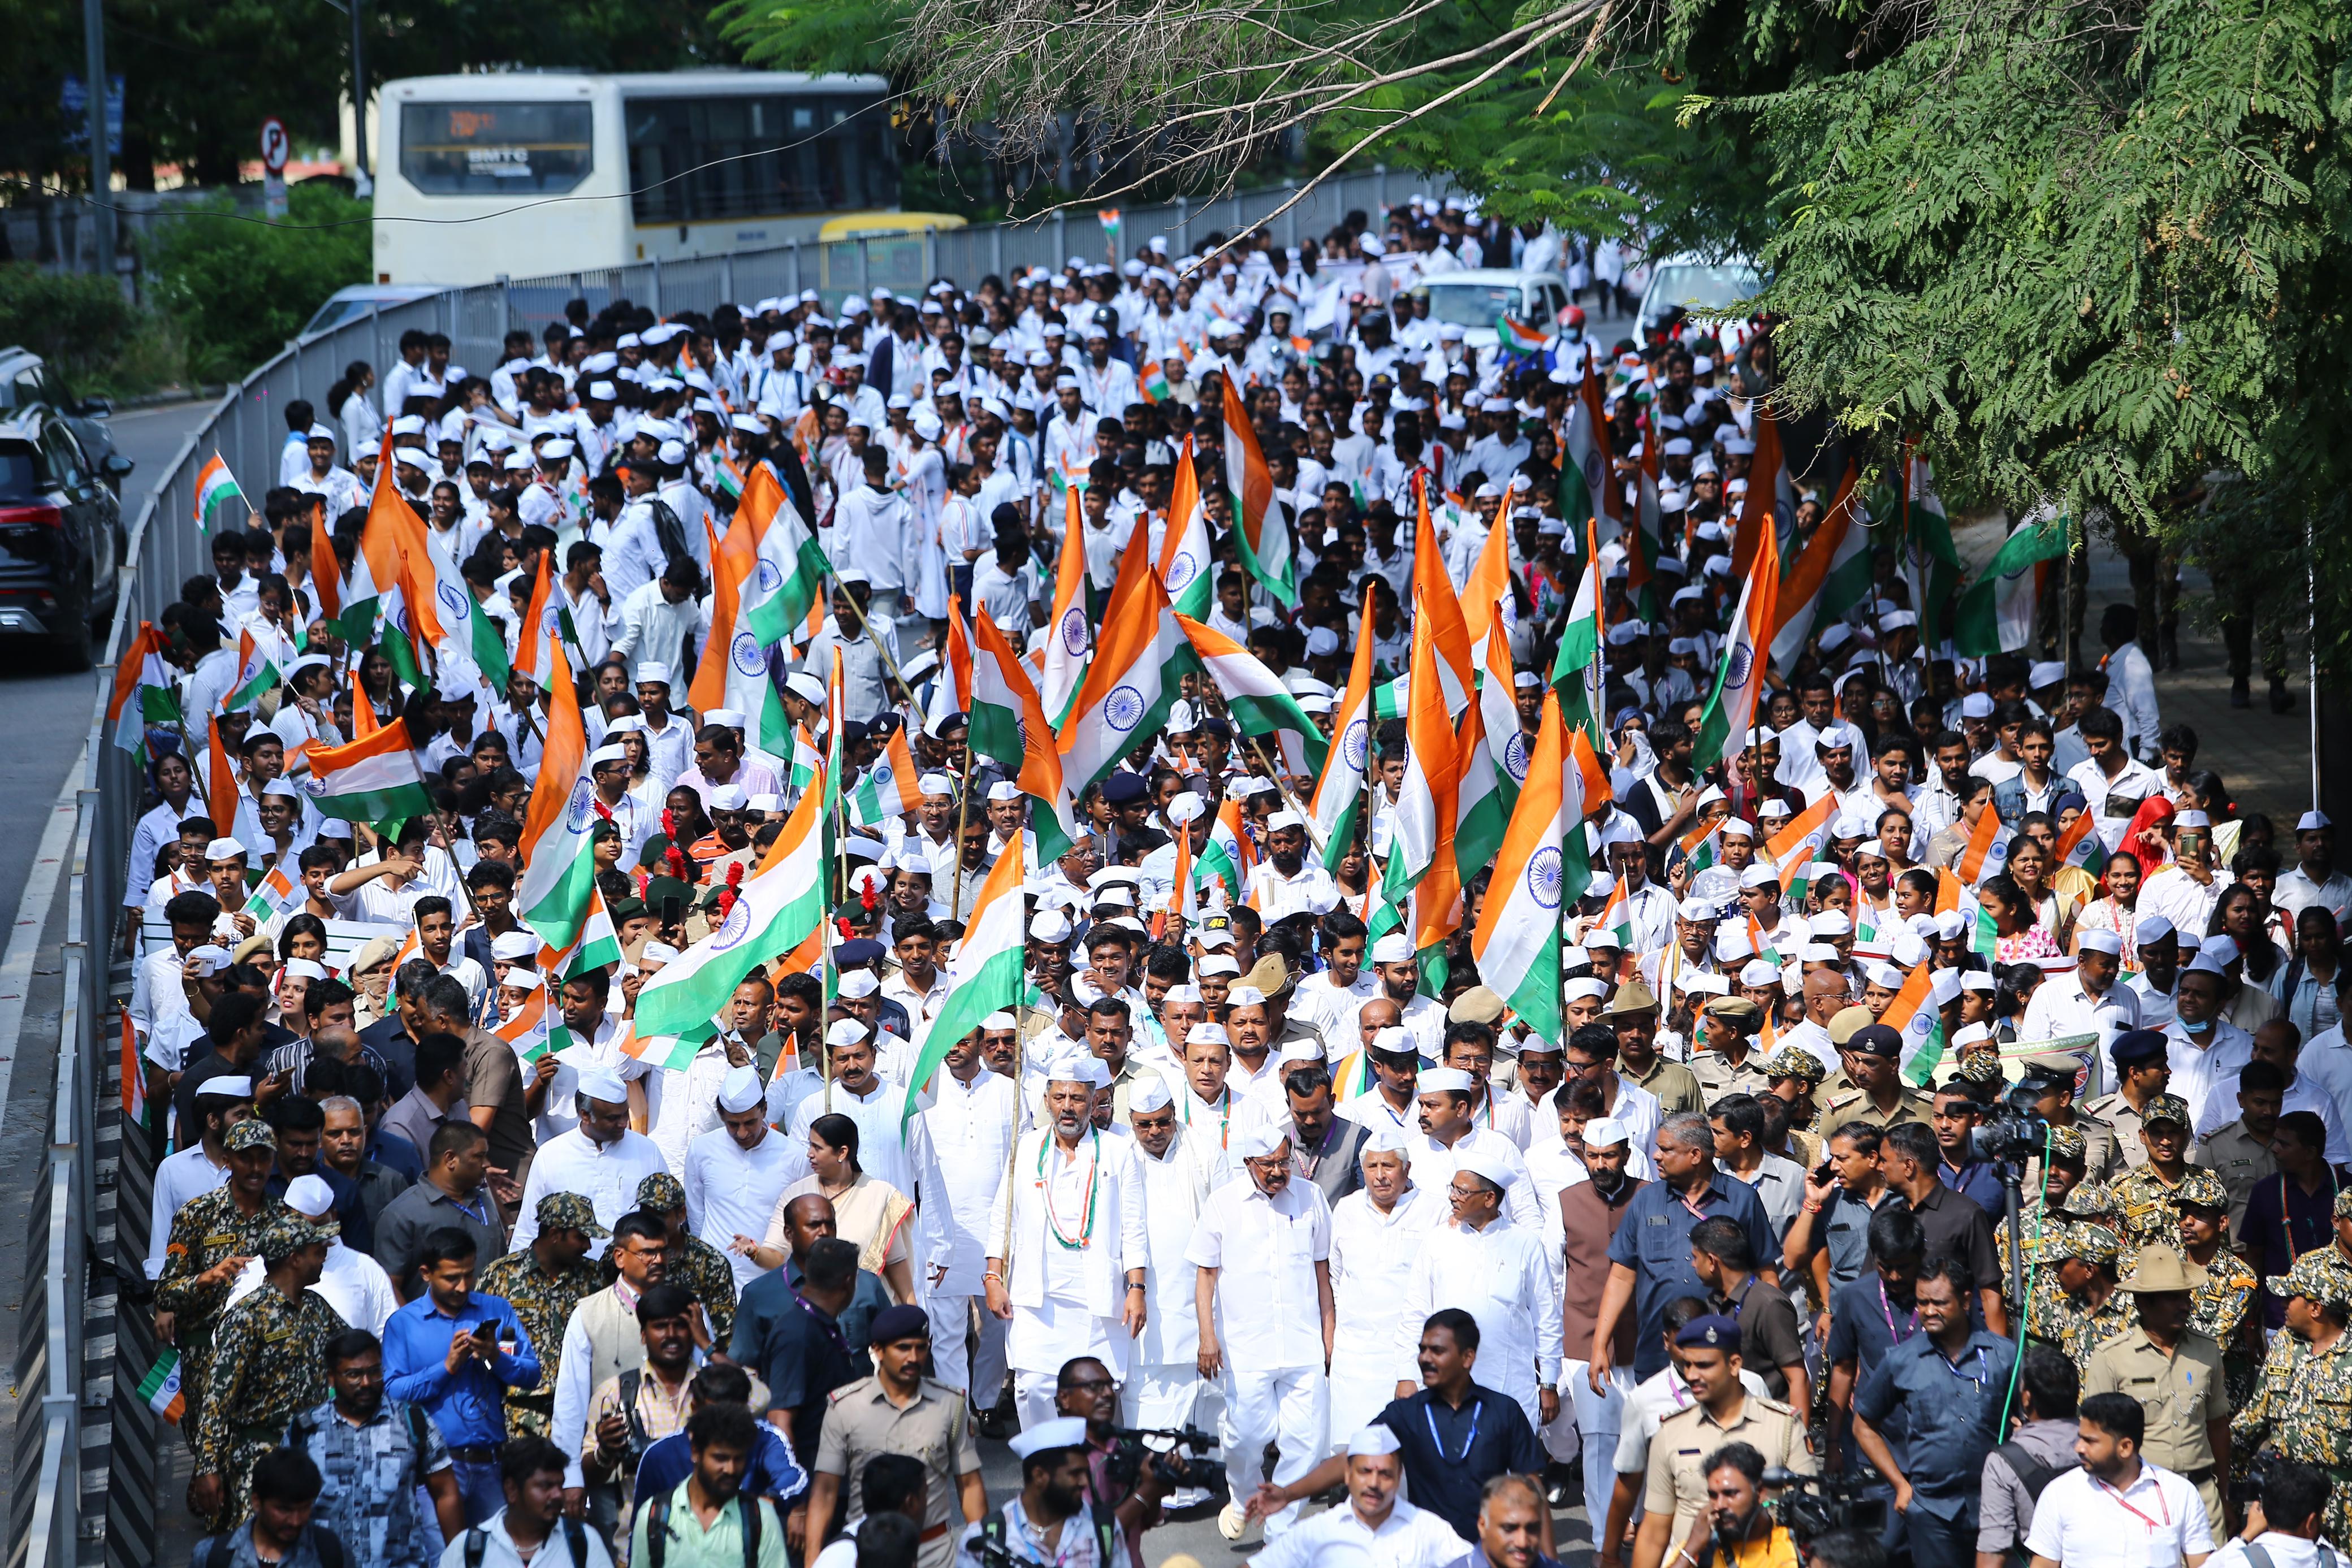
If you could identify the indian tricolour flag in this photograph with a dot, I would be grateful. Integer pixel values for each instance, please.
(559, 827)
(1434, 600)
(1498, 712)
(1337, 802)
(1488, 608)
(2080, 845)
(1996, 614)
(1987, 851)
(984, 974)
(1257, 701)
(1913, 1014)
(1070, 638)
(774, 910)
(1576, 669)
(143, 691)
(1421, 842)
(1793, 847)
(1155, 383)
(161, 1387)
(1731, 706)
(786, 582)
(215, 488)
(597, 944)
(270, 894)
(1006, 701)
(1829, 579)
(1516, 941)
(528, 1031)
(1132, 677)
(1262, 530)
(1515, 337)
(1187, 563)
(1480, 812)
(889, 787)
(1587, 487)
(257, 670)
(372, 779)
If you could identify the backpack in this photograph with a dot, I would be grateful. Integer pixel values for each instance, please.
(213, 1550)
(657, 1532)
(477, 1541)
(2034, 1476)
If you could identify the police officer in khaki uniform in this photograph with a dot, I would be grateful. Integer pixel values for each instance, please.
(1707, 1357)
(899, 1411)
(1839, 1029)
(2240, 1152)
(2173, 1371)
(1632, 1012)
(1727, 1062)
(2140, 1069)
(1879, 1097)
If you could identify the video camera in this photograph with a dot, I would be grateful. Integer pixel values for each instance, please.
(1165, 1448)
(2010, 1131)
(1809, 1507)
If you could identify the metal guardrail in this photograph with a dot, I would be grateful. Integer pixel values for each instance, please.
(90, 1221)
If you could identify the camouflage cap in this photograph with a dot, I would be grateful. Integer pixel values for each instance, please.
(1982, 1068)
(287, 1234)
(2317, 1276)
(1795, 1061)
(569, 1212)
(2202, 1188)
(2344, 1204)
(2091, 1243)
(2067, 1143)
(2088, 1201)
(661, 1192)
(252, 1132)
(2170, 1108)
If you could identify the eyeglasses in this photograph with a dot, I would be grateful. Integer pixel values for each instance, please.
(1086, 1385)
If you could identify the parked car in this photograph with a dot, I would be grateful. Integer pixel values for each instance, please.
(26, 381)
(60, 536)
(1473, 297)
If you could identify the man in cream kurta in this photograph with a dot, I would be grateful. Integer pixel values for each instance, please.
(959, 1143)
(1166, 1386)
(1498, 1272)
(1375, 1234)
(1071, 1282)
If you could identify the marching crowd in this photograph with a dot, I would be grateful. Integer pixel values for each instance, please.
(743, 901)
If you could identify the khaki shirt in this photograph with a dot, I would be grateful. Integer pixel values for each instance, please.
(1717, 1077)
(1672, 1083)
(1854, 1105)
(2180, 1393)
(2241, 1160)
(860, 1422)
(2124, 1123)
(1685, 1438)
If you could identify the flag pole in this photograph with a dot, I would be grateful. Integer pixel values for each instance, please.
(964, 812)
(1257, 745)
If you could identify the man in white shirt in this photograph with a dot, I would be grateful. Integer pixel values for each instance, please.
(2088, 1001)
(2185, 891)
(1179, 1170)
(2131, 680)
(1501, 1274)
(2117, 1510)
(959, 1145)
(601, 1159)
(1377, 1528)
(2315, 879)
(2204, 1050)
(736, 1172)
(2294, 1508)
(1262, 1247)
(1286, 881)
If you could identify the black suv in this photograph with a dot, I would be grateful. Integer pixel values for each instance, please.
(60, 536)
(27, 383)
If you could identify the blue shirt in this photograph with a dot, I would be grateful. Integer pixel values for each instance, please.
(1951, 1416)
(1976, 1180)
(772, 1472)
(467, 1404)
(1865, 1323)
(1653, 1239)
(1450, 1455)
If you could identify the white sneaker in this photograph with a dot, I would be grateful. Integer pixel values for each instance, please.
(1231, 1522)
(1185, 1497)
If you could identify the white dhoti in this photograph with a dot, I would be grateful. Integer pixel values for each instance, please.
(1599, 1418)
(955, 1360)
(1362, 1385)
(1163, 1397)
(1290, 1408)
(1045, 1338)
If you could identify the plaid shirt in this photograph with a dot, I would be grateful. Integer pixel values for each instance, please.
(368, 1477)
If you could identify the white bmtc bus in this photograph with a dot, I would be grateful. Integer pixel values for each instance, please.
(661, 167)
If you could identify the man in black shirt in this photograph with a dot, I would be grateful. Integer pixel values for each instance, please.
(1951, 1222)
(1455, 1436)
(802, 1354)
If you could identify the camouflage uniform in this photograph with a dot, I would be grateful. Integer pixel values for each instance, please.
(2080, 1330)
(207, 1230)
(542, 1299)
(2146, 1207)
(268, 1365)
(1795, 1061)
(695, 1265)
(2302, 1409)
(2037, 1216)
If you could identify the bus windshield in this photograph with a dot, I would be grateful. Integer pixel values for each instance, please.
(692, 159)
(496, 148)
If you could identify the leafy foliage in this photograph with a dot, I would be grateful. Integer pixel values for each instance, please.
(240, 289)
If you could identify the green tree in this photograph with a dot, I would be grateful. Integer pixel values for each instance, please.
(240, 287)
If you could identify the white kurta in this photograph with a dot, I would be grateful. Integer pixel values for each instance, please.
(606, 1175)
(1068, 1281)
(353, 1283)
(1433, 1165)
(881, 1151)
(960, 1143)
(1372, 1263)
(1501, 1277)
(1409, 1538)
(732, 1193)
(1174, 1187)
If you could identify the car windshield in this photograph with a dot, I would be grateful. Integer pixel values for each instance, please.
(1471, 304)
(334, 313)
(1699, 288)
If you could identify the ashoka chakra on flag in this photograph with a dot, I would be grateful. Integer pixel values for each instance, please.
(1543, 877)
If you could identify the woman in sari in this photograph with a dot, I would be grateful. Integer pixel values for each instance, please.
(871, 1215)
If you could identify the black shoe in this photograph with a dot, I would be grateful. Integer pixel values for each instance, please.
(2239, 695)
(2281, 699)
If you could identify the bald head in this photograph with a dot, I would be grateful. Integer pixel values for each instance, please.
(1826, 991)
(1376, 1015)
